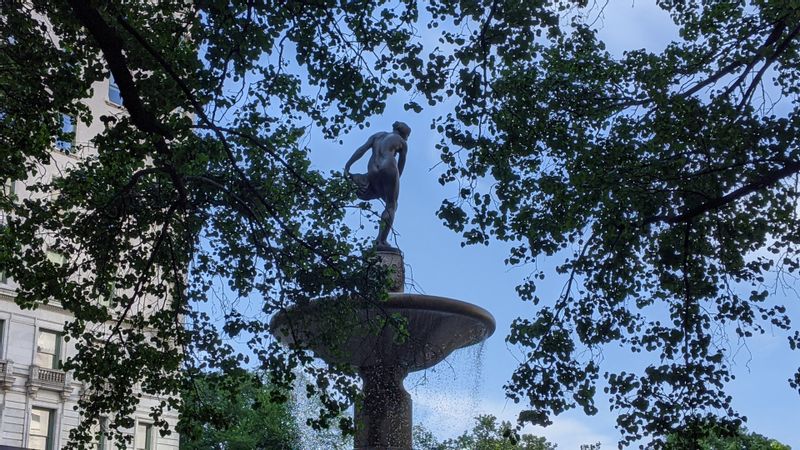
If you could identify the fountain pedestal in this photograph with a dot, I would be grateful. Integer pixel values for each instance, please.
(383, 419)
(366, 335)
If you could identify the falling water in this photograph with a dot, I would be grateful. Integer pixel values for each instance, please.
(446, 399)
(447, 396)
(304, 408)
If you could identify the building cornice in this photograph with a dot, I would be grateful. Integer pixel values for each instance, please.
(9, 295)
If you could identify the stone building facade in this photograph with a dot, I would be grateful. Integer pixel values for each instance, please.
(36, 398)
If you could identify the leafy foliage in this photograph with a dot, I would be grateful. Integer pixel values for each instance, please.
(487, 434)
(713, 437)
(665, 183)
(202, 188)
(423, 438)
(235, 413)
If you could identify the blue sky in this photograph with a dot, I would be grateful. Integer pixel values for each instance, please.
(471, 382)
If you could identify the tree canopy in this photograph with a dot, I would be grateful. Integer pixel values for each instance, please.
(713, 437)
(665, 184)
(235, 413)
(203, 181)
(664, 181)
(487, 434)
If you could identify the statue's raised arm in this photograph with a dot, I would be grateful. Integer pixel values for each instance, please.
(382, 180)
(358, 154)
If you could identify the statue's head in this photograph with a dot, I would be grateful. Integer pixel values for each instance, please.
(402, 129)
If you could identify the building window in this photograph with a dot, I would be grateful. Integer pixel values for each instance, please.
(113, 91)
(55, 257)
(8, 190)
(41, 431)
(101, 432)
(105, 300)
(2, 335)
(66, 138)
(48, 349)
(3, 275)
(144, 436)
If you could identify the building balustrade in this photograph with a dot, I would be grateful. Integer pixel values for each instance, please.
(6, 374)
(50, 379)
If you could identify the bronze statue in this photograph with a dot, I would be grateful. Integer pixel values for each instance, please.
(382, 179)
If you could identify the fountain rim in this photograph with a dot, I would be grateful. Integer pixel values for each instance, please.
(412, 301)
(399, 300)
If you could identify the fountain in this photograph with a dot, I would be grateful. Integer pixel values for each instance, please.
(364, 333)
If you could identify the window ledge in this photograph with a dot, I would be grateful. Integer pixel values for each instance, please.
(115, 105)
(72, 153)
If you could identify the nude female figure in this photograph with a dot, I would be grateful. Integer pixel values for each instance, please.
(382, 179)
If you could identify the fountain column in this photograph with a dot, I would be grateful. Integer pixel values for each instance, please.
(383, 416)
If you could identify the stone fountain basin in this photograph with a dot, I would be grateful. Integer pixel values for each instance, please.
(345, 331)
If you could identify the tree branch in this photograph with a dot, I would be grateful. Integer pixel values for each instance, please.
(789, 169)
(730, 68)
(112, 48)
(778, 51)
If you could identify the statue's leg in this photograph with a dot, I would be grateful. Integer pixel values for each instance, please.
(387, 220)
(392, 191)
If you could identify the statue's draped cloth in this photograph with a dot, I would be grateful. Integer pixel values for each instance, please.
(364, 189)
